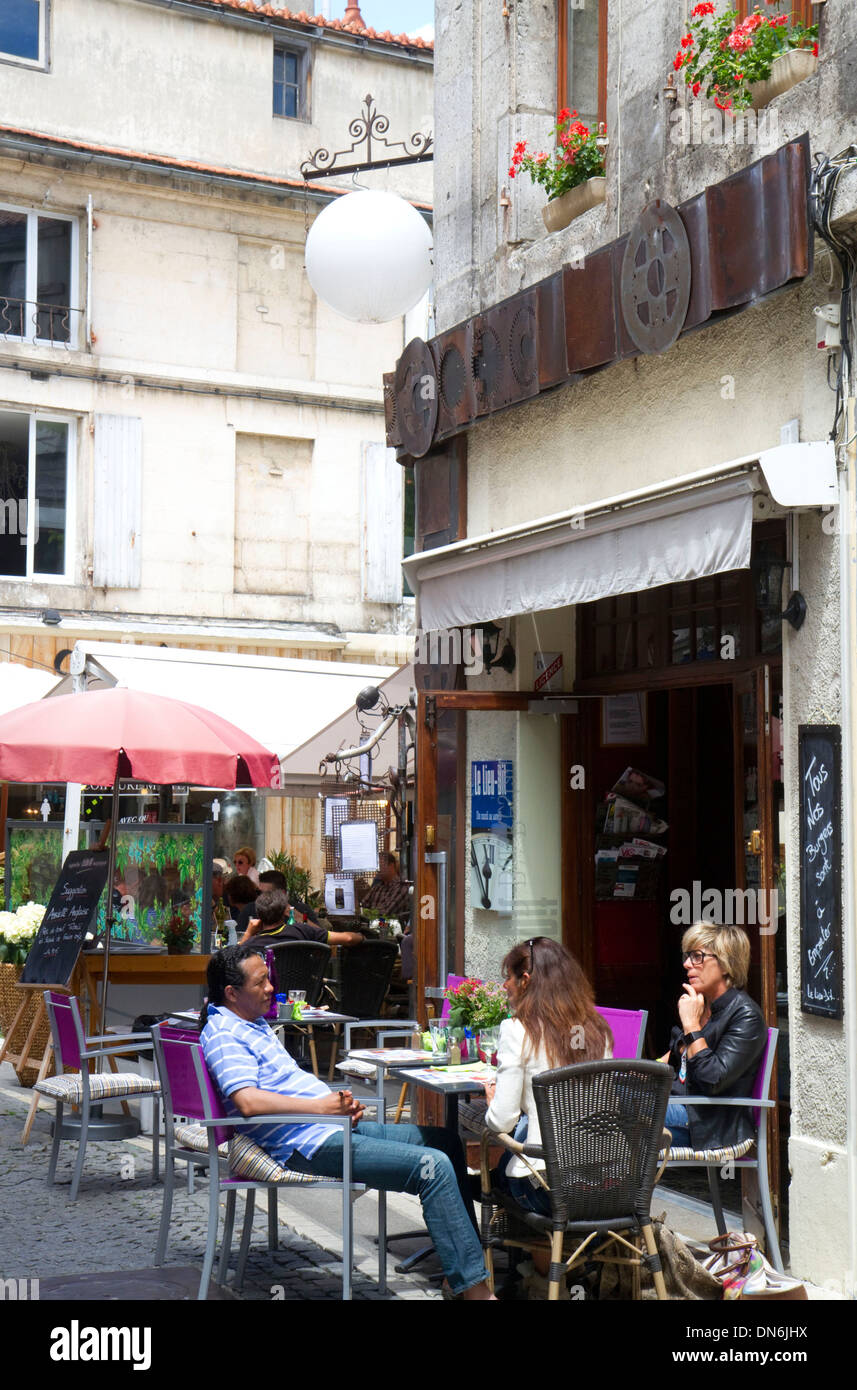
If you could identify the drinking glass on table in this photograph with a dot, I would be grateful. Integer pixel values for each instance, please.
(489, 1039)
(439, 1029)
(297, 999)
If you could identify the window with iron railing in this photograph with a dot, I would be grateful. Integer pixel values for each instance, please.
(23, 31)
(581, 70)
(38, 278)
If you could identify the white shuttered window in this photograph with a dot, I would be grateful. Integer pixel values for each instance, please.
(381, 508)
(118, 501)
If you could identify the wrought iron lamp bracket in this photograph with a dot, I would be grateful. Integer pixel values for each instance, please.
(369, 128)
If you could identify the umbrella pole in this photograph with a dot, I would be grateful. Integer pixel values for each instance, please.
(108, 910)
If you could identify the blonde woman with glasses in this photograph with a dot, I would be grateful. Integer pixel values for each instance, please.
(721, 1036)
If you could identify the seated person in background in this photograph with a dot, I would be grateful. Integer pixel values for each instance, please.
(389, 895)
(272, 878)
(256, 1076)
(244, 862)
(716, 1049)
(272, 925)
(555, 1024)
(240, 891)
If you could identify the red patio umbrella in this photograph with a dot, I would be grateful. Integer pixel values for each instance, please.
(106, 735)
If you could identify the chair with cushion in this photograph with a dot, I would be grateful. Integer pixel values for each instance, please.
(737, 1155)
(301, 965)
(365, 979)
(235, 1162)
(601, 1127)
(78, 1086)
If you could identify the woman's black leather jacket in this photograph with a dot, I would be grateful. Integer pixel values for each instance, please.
(736, 1034)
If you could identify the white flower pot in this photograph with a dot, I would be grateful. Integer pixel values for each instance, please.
(787, 70)
(562, 210)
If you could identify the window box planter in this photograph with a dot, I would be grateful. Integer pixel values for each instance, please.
(559, 212)
(787, 70)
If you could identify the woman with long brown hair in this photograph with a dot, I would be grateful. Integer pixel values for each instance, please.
(555, 1024)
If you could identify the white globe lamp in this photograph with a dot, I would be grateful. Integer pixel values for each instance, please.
(368, 256)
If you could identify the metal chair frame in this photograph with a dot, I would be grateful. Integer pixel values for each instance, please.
(760, 1103)
(219, 1126)
(121, 1045)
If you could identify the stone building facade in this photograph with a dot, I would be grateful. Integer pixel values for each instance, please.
(571, 437)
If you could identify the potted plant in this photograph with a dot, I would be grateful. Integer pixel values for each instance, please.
(17, 934)
(179, 933)
(745, 63)
(573, 176)
(475, 1006)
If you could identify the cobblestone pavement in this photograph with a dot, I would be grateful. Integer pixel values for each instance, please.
(113, 1224)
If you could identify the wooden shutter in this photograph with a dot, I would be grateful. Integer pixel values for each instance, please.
(382, 525)
(118, 501)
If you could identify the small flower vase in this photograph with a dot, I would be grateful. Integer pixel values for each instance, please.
(559, 212)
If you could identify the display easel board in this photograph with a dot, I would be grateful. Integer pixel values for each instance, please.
(53, 954)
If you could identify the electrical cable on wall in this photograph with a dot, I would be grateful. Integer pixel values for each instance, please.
(825, 179)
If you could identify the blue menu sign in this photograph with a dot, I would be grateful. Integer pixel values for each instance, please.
(492, 788)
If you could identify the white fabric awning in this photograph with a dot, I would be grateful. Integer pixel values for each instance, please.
(282, 703)
(20, 685)
(302, 765)
(619, 546)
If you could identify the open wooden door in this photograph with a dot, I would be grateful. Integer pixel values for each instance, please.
(755, 855)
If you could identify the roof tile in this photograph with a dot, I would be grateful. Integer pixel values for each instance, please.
(314, 21)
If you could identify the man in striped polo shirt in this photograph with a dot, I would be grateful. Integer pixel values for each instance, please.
(256, 1076)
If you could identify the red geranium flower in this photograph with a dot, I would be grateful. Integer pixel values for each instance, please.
(815, 50)
(687, 41)
(565, 114)
(778, 21)
(706, 7)
(696, 88)
(511, 171)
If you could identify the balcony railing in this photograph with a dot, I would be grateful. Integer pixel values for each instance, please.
(29, 321)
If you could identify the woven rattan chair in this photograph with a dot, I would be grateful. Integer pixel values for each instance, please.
(301, 965)
(601, 1126)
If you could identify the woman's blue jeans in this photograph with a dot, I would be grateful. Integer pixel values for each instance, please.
(427, 1162)
(677, 1123)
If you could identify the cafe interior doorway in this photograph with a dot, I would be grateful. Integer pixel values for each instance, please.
(703, 768)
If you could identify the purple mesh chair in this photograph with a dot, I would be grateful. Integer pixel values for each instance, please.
(714, 1159)
(189, 1092)
(629, 1031)
(76, 1085)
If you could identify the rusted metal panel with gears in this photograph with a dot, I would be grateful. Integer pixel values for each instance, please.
(729, 246)
(656, 275)
(456, 395)
(694, 215)
(505, 353)
(415, 395)
(490, 360)
(590, 318)
(553, 361)
(394, 439)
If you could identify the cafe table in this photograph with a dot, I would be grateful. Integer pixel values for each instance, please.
(382, 1060)
(451, 1083)
(310, 1019)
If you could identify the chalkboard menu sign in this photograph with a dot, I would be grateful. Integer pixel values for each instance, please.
(74, 899)
(819, 752)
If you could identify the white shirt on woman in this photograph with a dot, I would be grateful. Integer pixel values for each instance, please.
(517, 1064)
